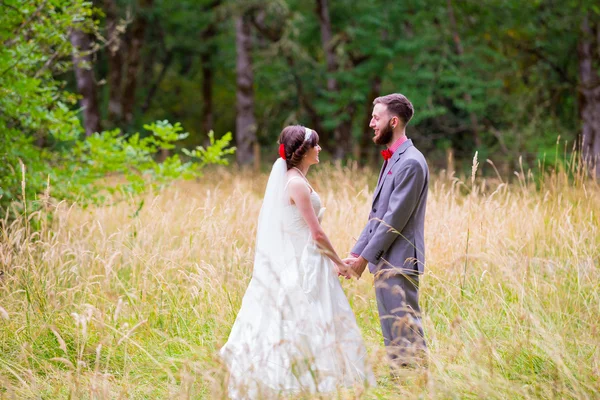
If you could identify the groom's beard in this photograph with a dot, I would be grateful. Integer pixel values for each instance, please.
(385, 135)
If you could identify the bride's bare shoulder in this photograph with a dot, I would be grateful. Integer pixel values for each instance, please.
(296, 183)
(298, 189)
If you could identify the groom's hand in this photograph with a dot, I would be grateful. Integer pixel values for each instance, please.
(344, 270)
(357, 265)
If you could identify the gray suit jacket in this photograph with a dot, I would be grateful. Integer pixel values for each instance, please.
(394, 235)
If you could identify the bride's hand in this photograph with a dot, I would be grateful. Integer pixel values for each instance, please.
(343, 270)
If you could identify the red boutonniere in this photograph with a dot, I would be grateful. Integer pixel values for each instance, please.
(282, 151)
(386, 154)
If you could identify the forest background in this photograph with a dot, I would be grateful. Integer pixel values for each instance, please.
(508, 79)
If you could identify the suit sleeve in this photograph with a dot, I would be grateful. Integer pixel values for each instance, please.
(361, 242)
(409, 184)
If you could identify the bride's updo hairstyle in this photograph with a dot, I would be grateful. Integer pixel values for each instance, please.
(292, 138)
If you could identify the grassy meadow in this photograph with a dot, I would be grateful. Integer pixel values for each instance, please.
(116, 302)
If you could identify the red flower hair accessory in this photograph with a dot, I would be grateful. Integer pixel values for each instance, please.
(282, 151)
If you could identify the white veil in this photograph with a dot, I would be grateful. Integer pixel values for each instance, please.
(274, 251)
(270, 255)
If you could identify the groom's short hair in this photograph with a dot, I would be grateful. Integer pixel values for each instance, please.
(398, 105)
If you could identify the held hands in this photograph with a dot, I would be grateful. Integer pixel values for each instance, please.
(356, 266)
(352, 267)
(344, 270)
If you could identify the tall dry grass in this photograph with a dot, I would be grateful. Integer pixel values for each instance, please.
(110, 303)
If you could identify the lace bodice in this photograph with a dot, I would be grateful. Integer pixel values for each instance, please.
(294, 215)
(296, 227)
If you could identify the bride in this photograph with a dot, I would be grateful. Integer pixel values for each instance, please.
(295, 331)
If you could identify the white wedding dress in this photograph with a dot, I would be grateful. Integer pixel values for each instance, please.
(295, 331)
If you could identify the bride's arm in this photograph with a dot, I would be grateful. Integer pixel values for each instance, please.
(300, 194)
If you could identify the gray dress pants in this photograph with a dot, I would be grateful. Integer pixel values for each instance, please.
(400, 316)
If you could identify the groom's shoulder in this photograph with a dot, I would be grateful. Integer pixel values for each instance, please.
(413, 154)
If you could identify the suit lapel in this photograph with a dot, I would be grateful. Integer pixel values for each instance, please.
(397, 155)
(383, 167)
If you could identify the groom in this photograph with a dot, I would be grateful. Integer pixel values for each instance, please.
(392, 242)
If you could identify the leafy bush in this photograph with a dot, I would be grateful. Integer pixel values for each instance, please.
(42, 145)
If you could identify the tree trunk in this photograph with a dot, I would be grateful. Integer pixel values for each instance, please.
(115, 63)
(86, 84)
(138, 31)
(366, 140)
(207, 93)
(326, 41)
(589, 98)
(207, 79)
(460, 51)
(245, 123)
(342, 134)
(206, 59)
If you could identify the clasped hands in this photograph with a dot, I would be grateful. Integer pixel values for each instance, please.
(353, 267)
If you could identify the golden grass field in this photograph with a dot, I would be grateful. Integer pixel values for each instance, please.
(103, 303)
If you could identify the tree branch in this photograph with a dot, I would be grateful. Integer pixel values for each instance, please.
(314, 116)
(561, 71)
(165, 65)
(274, 35)
(498, 135)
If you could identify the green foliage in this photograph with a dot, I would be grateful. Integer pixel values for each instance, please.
(42, 146)
(33, 107)
(213, 154)
(107, 163)
(133, 159)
